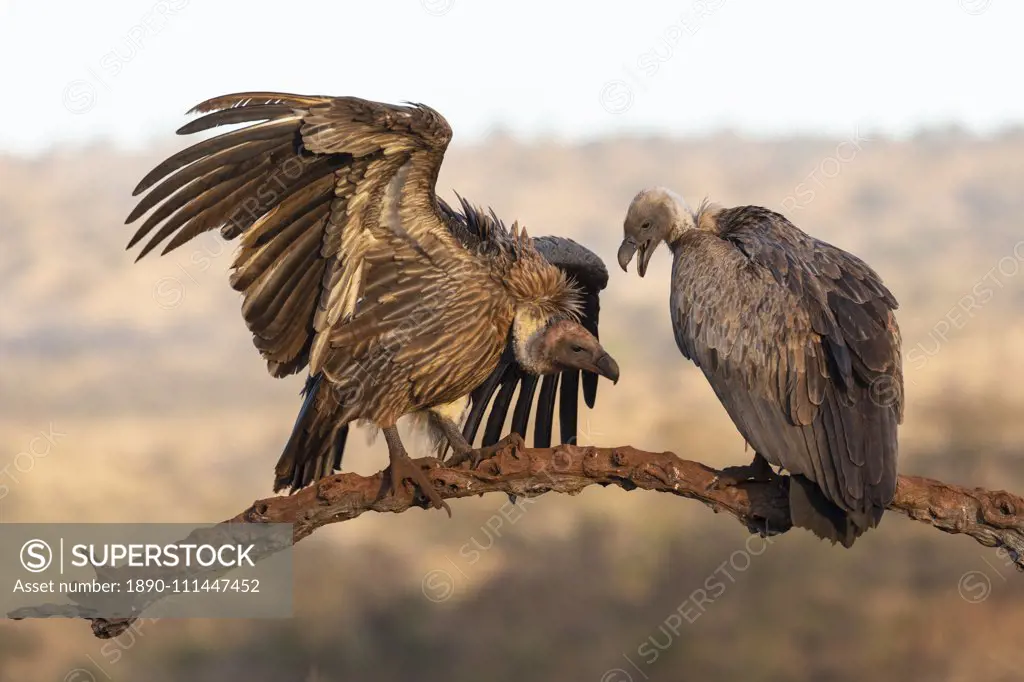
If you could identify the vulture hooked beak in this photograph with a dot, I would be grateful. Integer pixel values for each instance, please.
(607, 367)
(626, 251)
(569, 346)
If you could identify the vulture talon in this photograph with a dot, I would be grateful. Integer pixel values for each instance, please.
(404, 468)
(514, 440)
(475, 456)
(472, 456)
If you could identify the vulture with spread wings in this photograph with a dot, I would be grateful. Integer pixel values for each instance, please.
(350, 265)
(799, 341)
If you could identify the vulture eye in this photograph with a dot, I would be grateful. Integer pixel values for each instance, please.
(646, 226)
(577, 349)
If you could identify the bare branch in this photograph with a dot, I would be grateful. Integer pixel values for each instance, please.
(993, 518)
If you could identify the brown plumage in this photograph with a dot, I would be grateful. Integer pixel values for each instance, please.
(799, 341)
(351, 265)
(510, 378)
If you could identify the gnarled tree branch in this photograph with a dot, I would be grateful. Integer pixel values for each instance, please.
(993, 518)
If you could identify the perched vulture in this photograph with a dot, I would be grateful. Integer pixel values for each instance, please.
(799, 342)
(350, 265)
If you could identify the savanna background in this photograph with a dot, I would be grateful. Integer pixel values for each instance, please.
(132, 392)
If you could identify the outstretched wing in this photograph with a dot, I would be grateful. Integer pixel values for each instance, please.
(309, 183)
(802, 348)
(474, 228)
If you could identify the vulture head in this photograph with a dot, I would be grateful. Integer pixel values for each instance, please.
(560, 345)
(654, 216)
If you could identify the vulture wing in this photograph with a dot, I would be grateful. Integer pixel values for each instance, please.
(305, 183)
(475, 228)
(802, 348)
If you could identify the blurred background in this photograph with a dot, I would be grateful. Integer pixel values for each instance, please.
(132, 391)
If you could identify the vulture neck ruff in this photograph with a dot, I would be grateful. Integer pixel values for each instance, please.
(541, 293)
(527, 331)
(703, 220)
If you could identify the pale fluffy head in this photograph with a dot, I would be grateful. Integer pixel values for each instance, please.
(654, 216)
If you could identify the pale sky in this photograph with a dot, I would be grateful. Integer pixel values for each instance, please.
(127, 70)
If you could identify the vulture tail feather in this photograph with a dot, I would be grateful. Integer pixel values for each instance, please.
(811, 510)
(317, 441)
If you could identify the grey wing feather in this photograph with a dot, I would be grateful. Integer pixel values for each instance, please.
(800, 343)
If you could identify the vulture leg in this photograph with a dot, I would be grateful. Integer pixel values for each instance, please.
(404, 468)
(461, 449)
(758, 470)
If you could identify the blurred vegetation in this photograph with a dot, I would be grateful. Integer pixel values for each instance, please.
(160, 410)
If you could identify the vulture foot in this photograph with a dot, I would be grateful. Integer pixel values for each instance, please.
(759, 471)
(486, 452)
(404, 468)
(474, 457)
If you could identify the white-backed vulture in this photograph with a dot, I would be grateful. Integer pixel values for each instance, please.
(351, 266)
(799, 341)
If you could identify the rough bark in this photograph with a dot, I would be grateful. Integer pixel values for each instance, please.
(993, 518)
